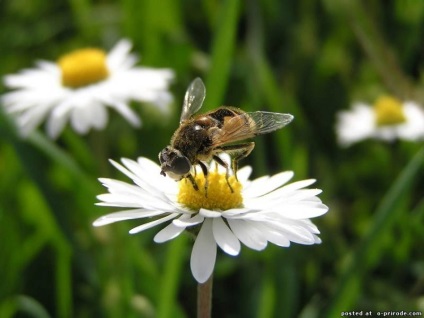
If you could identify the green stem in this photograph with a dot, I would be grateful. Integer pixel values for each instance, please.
(223, 46)
(385, 216)
(100, 149)
(379, 52)
(204, 298)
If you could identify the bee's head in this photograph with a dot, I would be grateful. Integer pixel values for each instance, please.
(173, 163)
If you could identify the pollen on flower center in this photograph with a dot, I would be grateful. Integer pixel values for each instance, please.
(83, 67)
(219, 196)
(388, 111)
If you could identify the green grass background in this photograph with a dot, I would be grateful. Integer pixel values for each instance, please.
(310, 58)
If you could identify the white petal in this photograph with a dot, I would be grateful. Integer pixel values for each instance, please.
(122, 169)
(273, 235)
(247, 234)
(355, 125)
(317, 239)
(298, 185)
(168, 233)
(310, 226)
(299, 195)
(127, 113)
(87, 112)
(132, 196)
(196, 219)
(256, 184)
(125, 215)
(289, 189)
(148, 165)
(203, 255)
(143, 194)
(267, 184)
(153, 223)
(147, 175)
(161, 99)
(117, 56)
(296, 233)
(225, 239)
(98, 116)
(231, 213)
(58, 118)
(413, 129)
(30, 119)
(277, 239)
(33, 79)
(243, 174)
(80, 119)
(303, 211)
(209, 213)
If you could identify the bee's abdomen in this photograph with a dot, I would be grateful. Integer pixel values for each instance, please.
(221, 113)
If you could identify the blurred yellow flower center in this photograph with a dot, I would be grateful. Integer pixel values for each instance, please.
(219, 196)
(83, 67)
(388, 111)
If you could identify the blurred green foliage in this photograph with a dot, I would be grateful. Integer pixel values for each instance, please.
(310, 58)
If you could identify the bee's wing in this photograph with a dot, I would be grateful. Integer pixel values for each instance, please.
(248, 125)
(193, 99)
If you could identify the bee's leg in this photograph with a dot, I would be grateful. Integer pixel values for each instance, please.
(227, 170)
(205, 173)
(193, 182)
(238, 152)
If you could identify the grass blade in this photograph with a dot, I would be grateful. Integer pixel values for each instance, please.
(386, 214)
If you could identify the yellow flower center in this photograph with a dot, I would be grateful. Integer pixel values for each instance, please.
(388, 111)
(83, 67)
(219, 196)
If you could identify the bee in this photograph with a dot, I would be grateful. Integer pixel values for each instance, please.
(201, 138)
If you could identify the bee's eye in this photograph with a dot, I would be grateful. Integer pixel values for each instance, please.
(163, 155)
(180, 165)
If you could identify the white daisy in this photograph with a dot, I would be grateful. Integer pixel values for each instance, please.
(388, 119)
(80, 86)
(257, 212)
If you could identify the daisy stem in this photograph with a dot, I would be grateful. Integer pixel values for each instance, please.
(100, 147)
(204, 298)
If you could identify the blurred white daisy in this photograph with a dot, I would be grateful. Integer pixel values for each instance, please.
(257, 212)
(79, 87)
(388, 119)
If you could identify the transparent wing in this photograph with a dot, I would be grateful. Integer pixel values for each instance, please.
(248, 125)
(267, 122)
(193, 99)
